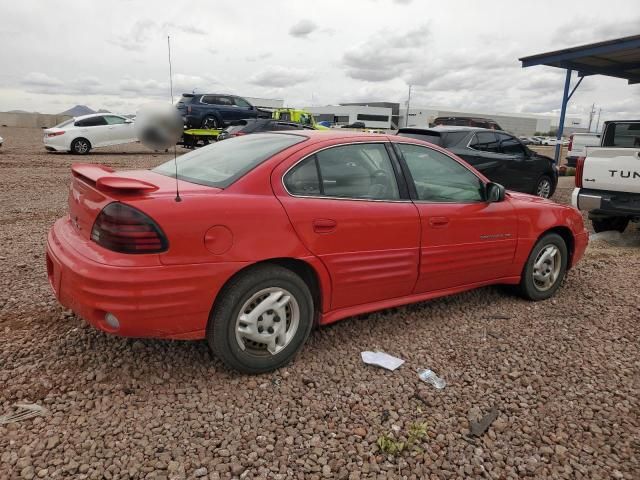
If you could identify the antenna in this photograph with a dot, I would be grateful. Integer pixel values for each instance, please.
(175, 152)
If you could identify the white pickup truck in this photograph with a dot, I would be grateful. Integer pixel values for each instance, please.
(578, 142)
(608, 178)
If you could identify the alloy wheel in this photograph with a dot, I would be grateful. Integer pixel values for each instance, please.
(544, 188)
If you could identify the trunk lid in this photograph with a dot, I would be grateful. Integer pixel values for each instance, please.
(95, 186)
(612, 169)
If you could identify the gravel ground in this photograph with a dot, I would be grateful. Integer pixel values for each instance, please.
(563, 374)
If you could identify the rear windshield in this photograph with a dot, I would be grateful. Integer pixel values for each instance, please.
(185, 100)
(221, 164)
(65, 123)
(622, 134)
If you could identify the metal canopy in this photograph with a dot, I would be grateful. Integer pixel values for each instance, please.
(618, 58)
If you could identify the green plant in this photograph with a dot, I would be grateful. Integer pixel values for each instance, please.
(389, 445)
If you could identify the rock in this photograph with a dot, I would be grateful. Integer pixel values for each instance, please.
(561, 451)
(200, 472)
(360, 432)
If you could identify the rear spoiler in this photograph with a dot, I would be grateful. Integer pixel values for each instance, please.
(98, 176)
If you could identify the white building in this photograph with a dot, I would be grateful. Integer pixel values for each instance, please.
(373, 117)
(265, 102)
(516, 123)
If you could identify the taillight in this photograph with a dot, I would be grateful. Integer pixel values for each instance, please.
(237, 134)
(55, 134)
(189, 109)
(570, 142)
(124, 229)
(579, 170)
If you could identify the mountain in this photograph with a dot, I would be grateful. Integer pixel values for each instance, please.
(18, 111)
(77, 111)
(102, 110)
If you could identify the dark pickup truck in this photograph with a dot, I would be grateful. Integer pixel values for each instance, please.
(212, 110)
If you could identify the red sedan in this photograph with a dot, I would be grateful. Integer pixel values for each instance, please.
(272, 233)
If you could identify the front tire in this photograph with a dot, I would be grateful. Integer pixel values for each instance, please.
(260, 320)
(545, 268)
(80, 146)
(544, 187)
(618, 224)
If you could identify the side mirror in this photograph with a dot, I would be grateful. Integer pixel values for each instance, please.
(128, 120)
(494, 192)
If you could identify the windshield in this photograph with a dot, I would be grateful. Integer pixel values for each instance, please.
(221, 164)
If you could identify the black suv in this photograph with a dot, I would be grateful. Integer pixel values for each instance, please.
(212, 110)
(501, 157)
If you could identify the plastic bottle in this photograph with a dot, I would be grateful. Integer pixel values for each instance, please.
(429, 376)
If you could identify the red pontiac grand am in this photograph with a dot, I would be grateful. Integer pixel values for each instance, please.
(275, 232)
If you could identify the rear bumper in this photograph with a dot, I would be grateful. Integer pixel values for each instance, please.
(163, 301)
(606, 203)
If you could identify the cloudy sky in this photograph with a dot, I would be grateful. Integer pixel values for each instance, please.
(456, 54)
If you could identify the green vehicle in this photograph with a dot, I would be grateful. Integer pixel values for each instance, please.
(297, 116)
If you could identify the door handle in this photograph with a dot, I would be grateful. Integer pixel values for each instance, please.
(438, 222)
(324, 225)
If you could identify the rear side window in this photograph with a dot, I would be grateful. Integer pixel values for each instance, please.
(361, 171)
(222, 163)
(91, 122)
(485, 142)
(304, 179)
(451, 139)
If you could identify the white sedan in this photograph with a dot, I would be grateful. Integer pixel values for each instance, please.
(81, 134)
(1, 141)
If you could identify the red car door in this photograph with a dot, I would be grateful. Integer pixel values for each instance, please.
(348, 208)
(465, 239)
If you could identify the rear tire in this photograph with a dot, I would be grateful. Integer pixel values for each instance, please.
(210, 122)
(618, 224)
(545, 268)
(80, 146)
(544, 187)
(260, 320)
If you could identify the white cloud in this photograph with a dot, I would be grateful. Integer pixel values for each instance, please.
(303, 28)
(280, 77)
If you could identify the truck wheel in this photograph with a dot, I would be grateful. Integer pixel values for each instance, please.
(545, 268)
(619, 224)
(261, 319)
(210, 123)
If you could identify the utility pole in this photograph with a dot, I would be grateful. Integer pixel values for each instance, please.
(406, 123)
(598, 120)
(591, 114)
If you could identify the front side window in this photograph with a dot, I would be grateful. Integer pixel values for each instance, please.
(439, 178)
(510, 145)
(359, 171)
(222, 163)
(485, 142)
(241, 102)
(114, 120)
